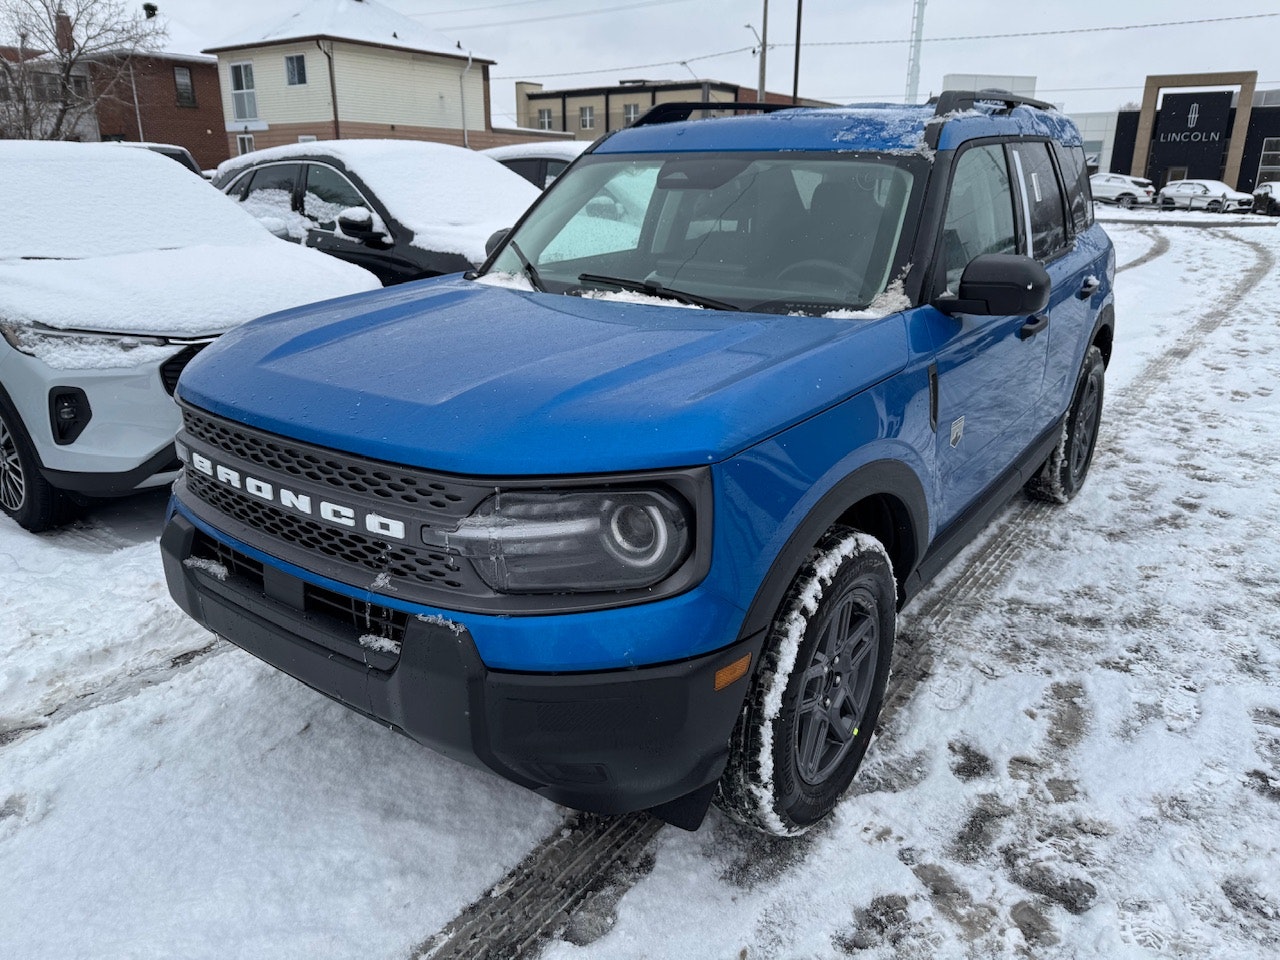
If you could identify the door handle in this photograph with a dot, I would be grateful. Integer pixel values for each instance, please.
(1090, 287)
(1033, 326)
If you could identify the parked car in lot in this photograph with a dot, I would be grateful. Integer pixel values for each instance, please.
(402, 209)
(116, 268)
(1122, 190)
(1266, 199)
(634, 535)
(1211, 195)
(539, 163)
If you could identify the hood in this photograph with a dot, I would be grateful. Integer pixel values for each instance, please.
(187, 292)
(462, 377)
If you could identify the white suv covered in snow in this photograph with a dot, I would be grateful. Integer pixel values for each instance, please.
(1211, 195)
(116, 267)
(1120, 189)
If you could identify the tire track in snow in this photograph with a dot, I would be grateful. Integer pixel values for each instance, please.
(111, 690)
(589, 853)
(1159, 247)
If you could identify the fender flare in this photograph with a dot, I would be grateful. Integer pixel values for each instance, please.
(890, 478)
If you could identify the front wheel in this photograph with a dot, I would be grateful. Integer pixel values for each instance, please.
(816, 697)
(25, 495)
(1062, 475)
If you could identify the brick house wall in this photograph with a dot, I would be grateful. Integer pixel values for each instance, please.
(200, 128)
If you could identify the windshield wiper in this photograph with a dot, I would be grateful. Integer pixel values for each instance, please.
(655, 288)
(530, 270)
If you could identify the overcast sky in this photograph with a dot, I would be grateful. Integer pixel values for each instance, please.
(610, 40)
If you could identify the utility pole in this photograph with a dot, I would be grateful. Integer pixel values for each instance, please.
(795, 78)
(913, 58)
(764, 48)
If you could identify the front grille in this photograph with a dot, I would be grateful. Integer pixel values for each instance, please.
(389, 483)
(382, 559)
(362, 617)
(172, 368)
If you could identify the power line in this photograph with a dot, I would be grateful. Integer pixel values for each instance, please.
(859, 43)
(551, 16)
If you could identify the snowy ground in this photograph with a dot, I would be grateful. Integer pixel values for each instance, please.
(1080, 758)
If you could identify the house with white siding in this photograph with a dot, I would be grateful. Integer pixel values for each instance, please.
(352, 69)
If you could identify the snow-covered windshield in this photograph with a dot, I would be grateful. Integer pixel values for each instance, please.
(780, 233)
(77, 200)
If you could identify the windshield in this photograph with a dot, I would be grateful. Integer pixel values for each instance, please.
(779, 233)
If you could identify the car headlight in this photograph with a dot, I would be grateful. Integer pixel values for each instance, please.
(577, 541)
(89, 349)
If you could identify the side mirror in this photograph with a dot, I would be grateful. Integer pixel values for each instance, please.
(495, 240)
(359, 223)
(999, 284)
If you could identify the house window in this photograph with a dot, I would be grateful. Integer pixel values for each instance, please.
(186, 90)
(630, 112)
(295, 70)
(544, 118)
(244, 102)
(587, 117)
(244, 143)
(1269, 167)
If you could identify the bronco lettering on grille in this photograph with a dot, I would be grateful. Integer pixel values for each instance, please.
(303, 503)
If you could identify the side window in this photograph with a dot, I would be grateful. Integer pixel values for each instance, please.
(979, 211)
(1075, 174)
(270, 197)
(554, 169)
(328, 194)
(1044, 200)
(527, 167)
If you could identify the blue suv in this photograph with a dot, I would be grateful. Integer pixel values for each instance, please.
(626, 515)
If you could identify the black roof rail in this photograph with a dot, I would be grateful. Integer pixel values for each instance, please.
(676, 111)
(950, 101)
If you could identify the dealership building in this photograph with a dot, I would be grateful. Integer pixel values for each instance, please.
(1184, 130)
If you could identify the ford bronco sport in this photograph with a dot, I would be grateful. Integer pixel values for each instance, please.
(626, 515)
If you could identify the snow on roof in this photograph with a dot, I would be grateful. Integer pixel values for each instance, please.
(550, 149)
(358, 21)
(95, 199)
(450, 197)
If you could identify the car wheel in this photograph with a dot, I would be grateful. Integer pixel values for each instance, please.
(1062, 475)
(1167, 204)
(1125, 200)
(816, 696)
(25, 495)
(1214, 206)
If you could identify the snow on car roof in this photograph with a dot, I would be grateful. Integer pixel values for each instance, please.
(452, 198)
(360, 21)
(551, 149)
(74, 200)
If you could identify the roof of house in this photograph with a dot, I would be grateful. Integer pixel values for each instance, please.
(355, 21)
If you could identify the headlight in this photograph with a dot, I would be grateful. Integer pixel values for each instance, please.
(578, 541)
(89, 349)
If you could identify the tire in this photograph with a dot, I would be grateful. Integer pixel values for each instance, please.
(1063, 474)
(1214, 206)
(25, 495)
(826, 659)
(1125, 200)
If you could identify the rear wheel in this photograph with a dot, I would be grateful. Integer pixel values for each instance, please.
(816, 697)
(25, 494)
(1063, 474)
(1125, 200)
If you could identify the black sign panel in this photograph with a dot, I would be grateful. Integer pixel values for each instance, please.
(1192, 131)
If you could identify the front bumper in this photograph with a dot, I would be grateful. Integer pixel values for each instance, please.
(607, 741)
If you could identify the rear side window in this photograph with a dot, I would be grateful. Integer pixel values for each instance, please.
(1044, 200)
(273, 185)
(979, 211)
(1075, 175)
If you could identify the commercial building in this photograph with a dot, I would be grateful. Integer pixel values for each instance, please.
(588, 112)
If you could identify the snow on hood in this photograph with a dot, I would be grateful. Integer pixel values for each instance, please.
(194, 291)
(71, 200)
(452, 198)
